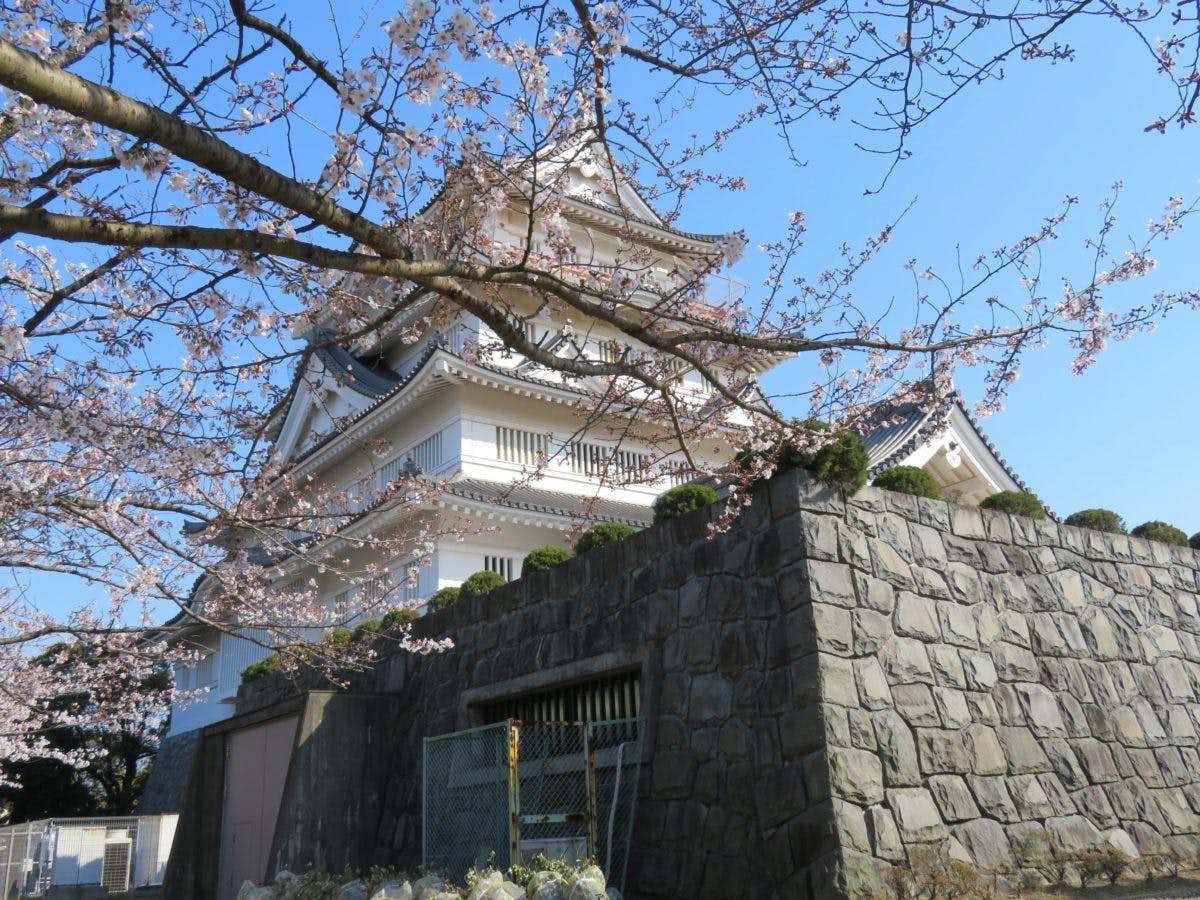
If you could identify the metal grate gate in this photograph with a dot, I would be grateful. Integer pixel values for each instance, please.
(504, 792)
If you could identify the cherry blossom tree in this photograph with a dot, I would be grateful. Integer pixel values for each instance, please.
(198, 195)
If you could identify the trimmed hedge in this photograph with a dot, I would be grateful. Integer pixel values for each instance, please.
(604, 533)
(399, 615)
(479, 584)
(683, 499)
(1161, 532)
(1018, 503)
(1097, 520)
(263, 667)
(339, 637)
(1194, 541)
(842, 464)
(787, 455)
(367, 628)
(544, 558)
(908, 480)
(442, 598)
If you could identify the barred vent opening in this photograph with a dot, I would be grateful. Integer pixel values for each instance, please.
(114, 869)
(501, 565)
(599, 700)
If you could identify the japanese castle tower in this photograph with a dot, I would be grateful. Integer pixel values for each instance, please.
(520, 459)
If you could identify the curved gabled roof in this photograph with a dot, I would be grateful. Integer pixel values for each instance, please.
(911, 425)
(554, 503)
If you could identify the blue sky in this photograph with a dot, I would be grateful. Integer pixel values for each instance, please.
(984, 172)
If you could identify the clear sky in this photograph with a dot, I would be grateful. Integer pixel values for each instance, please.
(984, 172)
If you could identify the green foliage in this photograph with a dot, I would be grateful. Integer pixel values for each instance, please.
(785, 454)
(442, 598)
(1019, 503)
(255, 670)
(312, 885)
(479, 584)
(397, 616)
(1161, 532)
(683, 499)
(339, 637)
(1194, 541)
(544, 558)
(908, 480)
(1097, 520)
(367, 629)
(541, 863)
(604, 533)
(842, 463)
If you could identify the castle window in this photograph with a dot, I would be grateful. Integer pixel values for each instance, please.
(501, 565)
(596, 700)
(525, 447)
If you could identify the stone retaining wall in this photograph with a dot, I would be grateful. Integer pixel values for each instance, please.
(834, 683)
(995, 682)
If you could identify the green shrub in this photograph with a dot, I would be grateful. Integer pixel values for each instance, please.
(399, 615)
(339, 637)
(1161, 532)
(1097, 520)
(479, 584)
(544, 558)
(368, 628)
(1018, 503)
(683, 499)
(604, 533)
(442, 598)
(842, 463)
(1194, 541)
(908, 480)
(263, 667)
(786, 454)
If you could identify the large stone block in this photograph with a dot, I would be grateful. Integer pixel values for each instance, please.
(1041, 710)
(958, 624)
(915, 703)
(953, 798)
(831, 583)
(916, 617)
(898, 750)
(916, 815)
(1073, 833)
(906, 661)
(943, 751)
(987, 843)
(987, 754)
(885, 837)
(1014, 663)
(1022, 750)
(992, 795)
(855, 775)
(711, 699)
(873, 690)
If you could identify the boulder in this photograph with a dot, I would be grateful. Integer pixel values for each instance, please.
(352, 890)
(427, 888)
(393, 890)
(546, 886)
(250, 891)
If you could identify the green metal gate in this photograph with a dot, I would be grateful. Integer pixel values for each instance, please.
(513, 789)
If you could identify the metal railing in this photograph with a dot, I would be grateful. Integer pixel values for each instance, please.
(499, 794)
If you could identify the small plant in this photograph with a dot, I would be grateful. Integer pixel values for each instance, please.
(1097, 520)
(542, 863)
(1018, 503)
(266, 666)
(683, 499)
(544, 558)
(479, 584)
(842, 463)
(908, 480)
(398, 616)
(1161, 532)
(442, 598)
(604, 533)
(1041, 853)
(339, 637)
(368, 629)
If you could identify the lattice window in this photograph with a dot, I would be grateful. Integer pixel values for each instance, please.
(598, 700)
(501, 565)
(609, 351)
(427, 455)
(596, 460)
(526, 447)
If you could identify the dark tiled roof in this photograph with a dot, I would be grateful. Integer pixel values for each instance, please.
(368, 380)
(553, 503)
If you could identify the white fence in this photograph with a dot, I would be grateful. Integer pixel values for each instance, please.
(115, 853)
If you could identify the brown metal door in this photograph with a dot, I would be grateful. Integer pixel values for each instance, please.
(256, 764)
